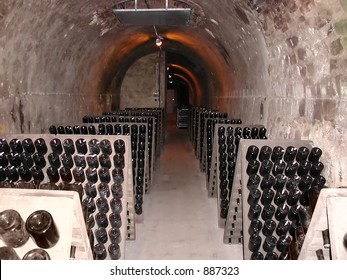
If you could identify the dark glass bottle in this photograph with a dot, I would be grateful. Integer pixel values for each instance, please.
(290, 154)
(316, 169)
(304, 168)
(117, 191)
(53, 174)
(80, 161)
(293, 183)
(119, 146)
(43, 229)
(115, 235)
(104, 175)
(269, 227)
(278, 167)
(28, 145)
(3, 176)
(24, 173)
(68, 129)
(302, 154)
(280, 197)
(102, 205)
(267, 182)
(109, 129)
(255, 241)
(105, 161)
(101, 219)
(293, 213)
(14, 159)
(265, 167)
(116, 205)
(76, 129)
(16, 145)
(255, 227)
(84, 130)
(40, 145)
(271, 256)
(89, 204)
(106, 147)
(291, 169)
(280, 182)
(252, 167)
(68, 146)
(4, 146)
(252, 153)
(3, 159)
(104, 190)
(253, 182)
(8, 253)
(67, 161)
(281, 212)
(254, 212)
(12, 228)
(265, 153)
(114, 251)
(56, 146)
(253, 197)
(267, 196)
(117, 175)
(277, 153)
(61, 129)
(269, 244)
(257, 256)
(78, 175)
(305, 183)
(283, 227)
(283, 243)
(92, 161)
(262, 133)
(90, 190)
(37, 173)
(115, 220)
(268, 212)
(54, 160)
(293, 197)
(314, 155)
(65, 174)
(91, 130)
(101, 235)
(39, 160)
(26, 160)
(92, 175)
(81, 146)
(94, 146)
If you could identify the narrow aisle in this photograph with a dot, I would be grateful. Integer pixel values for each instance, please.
(180, 220)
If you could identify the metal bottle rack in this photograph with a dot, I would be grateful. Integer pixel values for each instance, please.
(238, 223)
(127, 214)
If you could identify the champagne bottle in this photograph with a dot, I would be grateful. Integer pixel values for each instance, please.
(54, 160)
(56, 146)
(269, 227)
(102, 205)
(40, 145)
(314, 155)
(268, 212)
(115, 235)
(282, 227)
(4, 146)
(267, 182)
(255, 241)
(269, 244)
(90, 190)
(290, 154)
(254, 212)
(255, 227)
(101, 235)
(114, 251)
(81, 146)
(278, 167)
(302, 154)
(265, 153)
(267, 196)
(68, 146)
(252, 153)
(80, 161)
(39, 160)
(115, 220)
(280, 197)
(277, 153)
(104, 190)
(265, 168)
(16, 145)
(94, 146)
(28, 145)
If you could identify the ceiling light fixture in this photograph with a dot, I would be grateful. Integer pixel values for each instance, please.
(159, 39)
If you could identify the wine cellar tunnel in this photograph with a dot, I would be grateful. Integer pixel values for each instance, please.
(280, 64)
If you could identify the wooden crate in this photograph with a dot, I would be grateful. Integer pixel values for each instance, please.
(66, 211)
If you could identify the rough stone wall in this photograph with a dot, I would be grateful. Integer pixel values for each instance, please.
(306, 92)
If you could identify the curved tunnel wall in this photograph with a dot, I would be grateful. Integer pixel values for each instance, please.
(279, 63)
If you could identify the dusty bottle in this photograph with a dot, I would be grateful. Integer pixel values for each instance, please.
(12, 228)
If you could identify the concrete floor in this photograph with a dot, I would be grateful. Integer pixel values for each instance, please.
(179, 220)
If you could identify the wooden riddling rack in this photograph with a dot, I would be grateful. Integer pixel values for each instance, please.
(127, 229)
(160, 123)
(224, 156)
(328, 215)
(205, 161)
(238, 223)
(141, 172)
(118, 128)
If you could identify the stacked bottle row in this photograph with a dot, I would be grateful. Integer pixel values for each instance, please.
(141, 134)
(279, 197)
(206, 159)
(227, 144)
(158, 115)
(93, 166)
